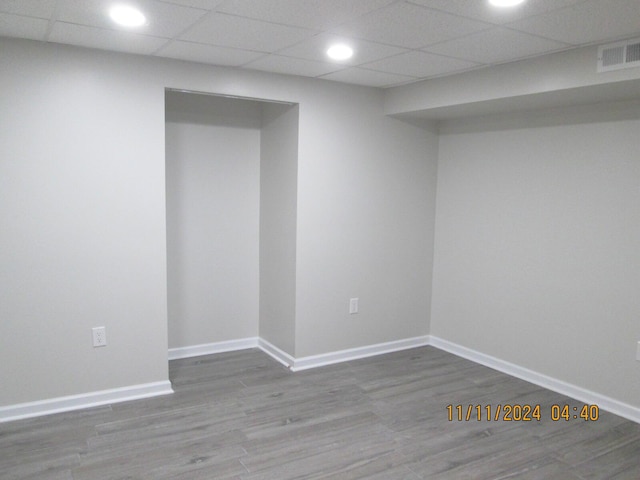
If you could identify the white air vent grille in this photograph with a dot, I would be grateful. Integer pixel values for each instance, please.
(619, 55)
(612, 56)
(633, 53)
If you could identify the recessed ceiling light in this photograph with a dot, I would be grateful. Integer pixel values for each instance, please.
(340, 52)
(127, 16)
(505, 3)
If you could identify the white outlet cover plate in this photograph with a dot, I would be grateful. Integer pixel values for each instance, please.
(99, 336)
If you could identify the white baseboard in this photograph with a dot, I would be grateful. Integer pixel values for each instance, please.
(323, 359)
(583, 395)
(209, 348)
(303, 363)
(135, 392)
(274, 352)
(88, 400)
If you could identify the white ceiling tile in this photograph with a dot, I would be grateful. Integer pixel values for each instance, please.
(588, 22)
(104, 39)
(197, 52)
(163, 19)
(293, 66)
(482, 10)
(315, 49)
(410, 26)
(22, 27)
(370, 78)
(317, 14)
(31, 8)
(496, 45)
(230, 31)
(203, 4)
(420, 64)
(387, 35)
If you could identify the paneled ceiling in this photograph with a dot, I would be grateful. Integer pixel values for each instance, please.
(395, 41)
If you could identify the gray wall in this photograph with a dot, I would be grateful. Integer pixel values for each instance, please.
(563, 78)
(278, 209)
(213, 208)
(537, 234)
(82, 209)
(366, 202)
(535, 254)
(82, 235)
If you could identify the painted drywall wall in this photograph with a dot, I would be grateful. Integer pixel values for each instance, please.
(82, 235)
(564, 78)
(278, 215)
(537, 234)
(366, 202)
(213, 207)
(82, 208)
(365, 207)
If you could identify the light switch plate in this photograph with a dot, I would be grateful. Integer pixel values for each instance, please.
(353, 306)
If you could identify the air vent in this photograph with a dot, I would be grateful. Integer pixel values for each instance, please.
(619, 55)
(633, 53)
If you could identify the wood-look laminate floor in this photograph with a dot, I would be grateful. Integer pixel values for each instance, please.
(243, 416)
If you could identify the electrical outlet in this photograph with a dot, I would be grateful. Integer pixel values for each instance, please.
(353, 306)
(99, 336)
(638, 352)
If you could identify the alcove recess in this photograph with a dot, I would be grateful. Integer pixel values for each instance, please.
(231, 188)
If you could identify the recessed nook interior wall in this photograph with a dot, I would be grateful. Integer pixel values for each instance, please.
(213, 163)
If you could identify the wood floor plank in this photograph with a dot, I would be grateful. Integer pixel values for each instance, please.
(243, 416)
(622, 462)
